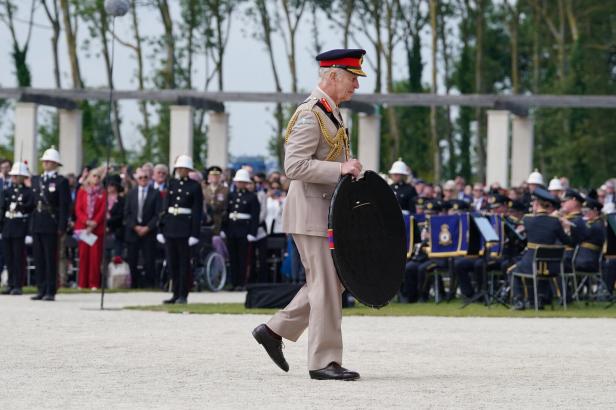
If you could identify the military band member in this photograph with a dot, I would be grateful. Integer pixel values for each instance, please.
(17, 205)
(317, 154)
(541, 228)
(181, 226)
(574, 223)
(240, 227)
(589, 251)
(415, 286)
(405, 192)
(52, 199)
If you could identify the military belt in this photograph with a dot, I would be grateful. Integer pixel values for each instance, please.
(14, 214)
(532, 245)
(234, 216)
(179, 211)
(591, 246)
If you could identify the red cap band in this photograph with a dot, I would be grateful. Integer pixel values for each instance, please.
(343, 62)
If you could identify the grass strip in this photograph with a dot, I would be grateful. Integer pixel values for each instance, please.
(452, 309)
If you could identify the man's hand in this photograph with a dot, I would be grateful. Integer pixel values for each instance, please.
(351, 167)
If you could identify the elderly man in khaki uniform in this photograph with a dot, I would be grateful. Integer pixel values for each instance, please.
(317, 154)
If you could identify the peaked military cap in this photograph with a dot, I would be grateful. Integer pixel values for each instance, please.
(456, 205)
(497, 200)
(432, 205)
(348, 59)
(573, 194)
(592, 203)
(517, 206)
(545, 195)
(214, 170)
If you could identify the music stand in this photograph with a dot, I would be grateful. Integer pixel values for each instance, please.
(481, 232)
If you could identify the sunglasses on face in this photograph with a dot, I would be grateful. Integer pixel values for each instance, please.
(142, 178)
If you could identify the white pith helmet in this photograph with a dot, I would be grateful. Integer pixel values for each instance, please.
(399, 167)
(19, 169)
(242, 175)
(183, 161)
(51, 154)
(555, 185)
(535, 178)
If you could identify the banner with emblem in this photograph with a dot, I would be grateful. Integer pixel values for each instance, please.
(445, 236)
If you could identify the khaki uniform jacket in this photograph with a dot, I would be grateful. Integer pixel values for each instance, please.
(216, 201)
(315, 149)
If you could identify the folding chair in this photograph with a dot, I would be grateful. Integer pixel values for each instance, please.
(546, 254)
(592, 282)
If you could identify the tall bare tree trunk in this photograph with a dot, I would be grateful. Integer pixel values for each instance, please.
(436, 165)
(71, 42)
(169, 72)
(54, 20)
(266, 26)
(479, 117)
(143, 105)
(442, 30)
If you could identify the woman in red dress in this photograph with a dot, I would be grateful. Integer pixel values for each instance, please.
(90, 208)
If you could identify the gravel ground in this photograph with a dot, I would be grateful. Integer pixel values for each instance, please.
(69, 355)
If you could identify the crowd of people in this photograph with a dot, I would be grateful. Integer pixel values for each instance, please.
(142, 211)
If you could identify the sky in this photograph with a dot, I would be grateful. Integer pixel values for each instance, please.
(247, 69)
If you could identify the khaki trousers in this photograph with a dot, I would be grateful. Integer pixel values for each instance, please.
(317, 306)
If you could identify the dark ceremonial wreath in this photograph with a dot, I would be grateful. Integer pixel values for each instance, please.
(367, 238)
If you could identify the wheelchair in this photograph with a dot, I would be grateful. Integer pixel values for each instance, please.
(208, 267)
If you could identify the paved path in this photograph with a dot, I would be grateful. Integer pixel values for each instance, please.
(69, 355)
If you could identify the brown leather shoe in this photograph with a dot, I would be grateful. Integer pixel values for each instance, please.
(272, 344)
(333, 372)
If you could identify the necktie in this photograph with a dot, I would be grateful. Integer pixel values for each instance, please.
(140, 205)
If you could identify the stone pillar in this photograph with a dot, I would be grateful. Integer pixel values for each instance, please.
(498, 147)
(218, 139)
(522, 141)
(71, 142)
(369, 141)
(25, 146)
(181, 132)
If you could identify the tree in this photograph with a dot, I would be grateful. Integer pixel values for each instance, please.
(70, 30)
(53, 15)
(20, 51)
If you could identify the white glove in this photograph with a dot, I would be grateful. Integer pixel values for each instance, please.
(28, 240)
(222, 234)
(160, 238)
(0, 236)
(250, 238)
(192, 241)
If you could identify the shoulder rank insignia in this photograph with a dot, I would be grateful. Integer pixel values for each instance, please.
(326, 105)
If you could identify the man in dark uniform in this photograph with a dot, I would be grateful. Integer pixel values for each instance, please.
(542, 228)
(415, 287)
(52, 198)
(141, 212)
(180, 226)
(589, 251)
(575, 225)
(240, 226)
(405, 193)
(17, 205)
